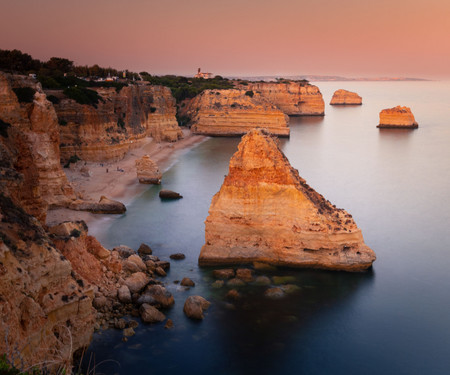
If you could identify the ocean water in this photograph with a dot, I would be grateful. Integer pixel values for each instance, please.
(394, 319)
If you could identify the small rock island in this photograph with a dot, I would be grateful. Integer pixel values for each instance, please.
(265, 212)
(398, 117)
(344, 97)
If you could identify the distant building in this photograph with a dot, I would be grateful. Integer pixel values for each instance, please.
(203, 75)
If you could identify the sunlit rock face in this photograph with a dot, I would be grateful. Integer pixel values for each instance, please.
(266, 212)
(234, 112)
(109, 130)
(29, 141)
(46, 309)
(397, 117)
(293, 98)
(344, 97)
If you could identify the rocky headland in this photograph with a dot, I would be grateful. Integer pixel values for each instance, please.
(293, 98)
(398, 117)
(109, 129)
(266, 212)
(233, 112)
(344, 97)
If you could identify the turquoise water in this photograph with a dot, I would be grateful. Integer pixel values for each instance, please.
(392, 320)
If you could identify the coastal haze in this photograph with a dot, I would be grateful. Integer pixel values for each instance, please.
(400, 38)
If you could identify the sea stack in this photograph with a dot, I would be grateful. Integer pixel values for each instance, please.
(147, 171)
(265, 212)
(397, 117)
(344, 97)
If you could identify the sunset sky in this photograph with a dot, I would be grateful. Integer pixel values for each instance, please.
(408, 38)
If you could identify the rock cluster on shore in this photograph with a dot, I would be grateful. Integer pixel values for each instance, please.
(397, 117)
(344, 97)
(234, 112)
(266, 212)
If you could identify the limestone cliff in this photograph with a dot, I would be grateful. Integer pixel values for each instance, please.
(266, 212)
(344, 97)
(397, 117)
(29, 144)
(45, 308)
(293, 98)
(109, 130)
(233, 112)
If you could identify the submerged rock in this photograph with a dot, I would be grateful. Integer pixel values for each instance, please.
(187, 282)
(344, 97)
(195, 306)
(177, 256)
(266, 212)
(150, 314)
(144, 250)
(274, 293)
(169, 194)
(223, 274)
(397, 117)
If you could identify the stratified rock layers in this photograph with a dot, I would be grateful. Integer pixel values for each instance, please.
(344, 97)
(29, 144)
(293, 98)
(45, 307)
(233, 112)
(147, 171)
(266, 212)
(108, 131)
(397, 117)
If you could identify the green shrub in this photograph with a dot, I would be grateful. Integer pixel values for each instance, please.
(72, 159)
(152, 109)
(250, 93)
(24, 94)
(62, 122)
(53, 99)
(121, 123)
(75, 233)
(83, 95)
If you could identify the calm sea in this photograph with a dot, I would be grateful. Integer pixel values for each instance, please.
(392, 320)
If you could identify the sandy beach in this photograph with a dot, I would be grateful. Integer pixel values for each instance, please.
(118, 180)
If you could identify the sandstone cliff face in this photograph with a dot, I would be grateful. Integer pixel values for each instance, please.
(344, 97)
(232, 112)
(266, 212)
(30, 145)
(45, 309)
(397, 117)
(293, 98)
(120, 119)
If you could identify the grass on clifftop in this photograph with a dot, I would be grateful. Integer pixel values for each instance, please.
(186, 88)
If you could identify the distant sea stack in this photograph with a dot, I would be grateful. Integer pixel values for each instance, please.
(266, 212)
(295, 98)
(234, 112)
(397, 117)
(344, 97)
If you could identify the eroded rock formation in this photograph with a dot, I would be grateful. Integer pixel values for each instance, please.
(108, 131)
(266, 212)
(233, 112)
(293, 98)
(29, 143)
(45, 307)
(147, 171)
(397, 117)
(344, 97)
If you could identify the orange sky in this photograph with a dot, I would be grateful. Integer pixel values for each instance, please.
(237, 37)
